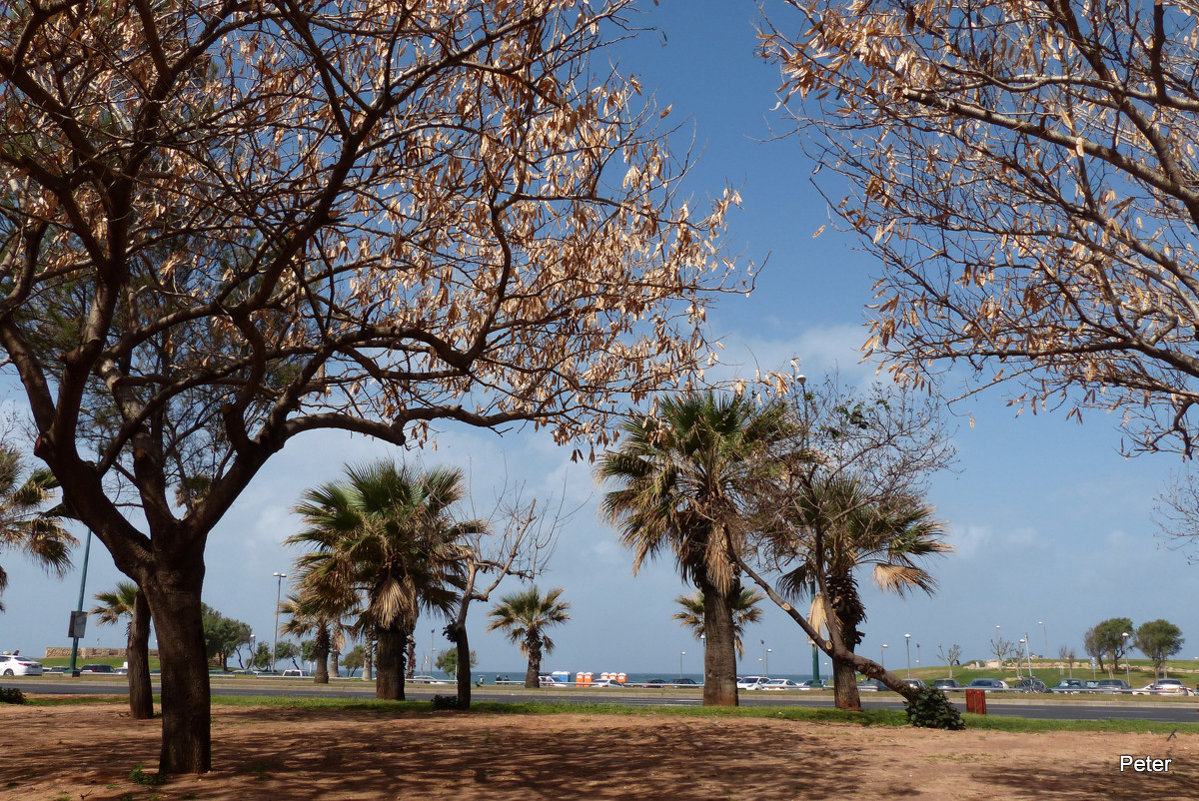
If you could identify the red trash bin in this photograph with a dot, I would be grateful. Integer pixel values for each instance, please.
(976, 701)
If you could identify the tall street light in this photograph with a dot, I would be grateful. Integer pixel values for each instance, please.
(907, 646)
(883, 656)
(766, 662)
(681, 655)
(278, 592)
(1045, 631)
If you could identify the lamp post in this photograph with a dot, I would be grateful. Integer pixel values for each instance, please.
(883, 656)
(681, 655)
(251, 650)
(79, 617)
(766, 662)
(278, 592)
(432, 632)
(1044, 631)
(1023, 642)
(907, 646)
(917, 654)
(1127, 668)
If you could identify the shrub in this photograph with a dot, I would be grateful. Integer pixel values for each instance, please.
(441, 702)
(930, 709)
(11, 695)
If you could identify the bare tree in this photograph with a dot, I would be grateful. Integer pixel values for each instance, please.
(1025, 173)
(950, 657)
(846, 491)
(521, 550)
(1002, 648)
(226, 224)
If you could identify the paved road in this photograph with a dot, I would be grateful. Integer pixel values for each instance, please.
(1074, 708)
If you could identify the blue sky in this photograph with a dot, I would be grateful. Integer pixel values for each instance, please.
(1049, 521)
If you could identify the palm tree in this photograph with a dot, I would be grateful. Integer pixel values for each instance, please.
(387, 536)
(745, 612)
(25, 525)
(306, 614)
(889, 537)
(128, 601)
(680, 479)
(524, 617)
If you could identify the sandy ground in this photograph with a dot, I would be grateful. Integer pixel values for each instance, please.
(86, 753)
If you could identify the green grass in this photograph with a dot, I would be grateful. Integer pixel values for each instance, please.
(871, 717)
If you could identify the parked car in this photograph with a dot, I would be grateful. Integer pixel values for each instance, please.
(414, 679)
(656, 682)
(917, 684)
(815, 684)
(870, 686)
(1030, 685)
(684, 681)
(781, 684)
(1113, 686)
(292, 673)
(752, 682)
(947, 684)
(989, 685)
(550, 681)
(97, 669)
(1163, 687)
(17, 665)
(1068, 687)
(605, 683)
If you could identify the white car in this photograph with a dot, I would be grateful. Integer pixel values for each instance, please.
(1163, 687)
(752, 682)
(605, 683)
(782, 684)
(14, 665)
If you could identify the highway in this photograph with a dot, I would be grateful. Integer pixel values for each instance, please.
(1181, 710)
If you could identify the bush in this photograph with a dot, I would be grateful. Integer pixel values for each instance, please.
(11, 695)
(930, 709)
(445, 702)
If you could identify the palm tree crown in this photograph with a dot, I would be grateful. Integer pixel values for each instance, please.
(25, 525)
(745, 611)
(116, 604)
(525, 616)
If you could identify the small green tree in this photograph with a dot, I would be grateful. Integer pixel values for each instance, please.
(354, 658)
(261, 659)
(447, 661)
(222, 635)
(1107, 639)
(287, 651)
(1159, 640)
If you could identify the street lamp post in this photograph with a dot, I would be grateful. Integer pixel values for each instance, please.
(1127, 668)
(1044, 631)
(251, 650)
(907, 647)
(883, 656)
(432, 632)
(681, 655)
(278, 593)
(1023, 642)
(766, 662)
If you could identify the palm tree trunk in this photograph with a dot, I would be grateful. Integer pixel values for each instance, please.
(457, 634)
(845, 686)
(137, 653)
(720, 652)
(320, 653)
(533, 670)
(389, 662)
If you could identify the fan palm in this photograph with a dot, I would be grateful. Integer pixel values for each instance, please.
(745, 612)
(25, 524)
(306, 615)
(385, 534)
(524, 618)
(680, 479)
(127, 601)
(888, 537)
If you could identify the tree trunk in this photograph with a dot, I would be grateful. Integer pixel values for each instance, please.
(533, 670)
(173, 592)
(137, 653)
(457, 635)
(368, 660)
(320, 653)
(335, 656)
(845, 686)
(720, 654)
(389, 662)
(410, 652)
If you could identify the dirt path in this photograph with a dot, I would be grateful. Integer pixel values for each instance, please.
(86, 753)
